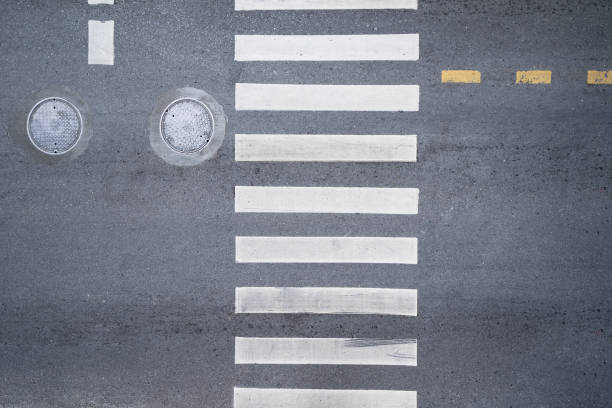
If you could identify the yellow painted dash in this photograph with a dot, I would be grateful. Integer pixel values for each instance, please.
(599, 78)
(461, 76)
(533, 77)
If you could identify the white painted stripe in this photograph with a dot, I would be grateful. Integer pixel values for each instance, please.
(326, 148)
(358, 200)
(268, 350)
(94, 2)
(308, 398)
(324, 4)
(101, 42)
(326, 250)
(380, 47)
(291, 97)
(401, 302)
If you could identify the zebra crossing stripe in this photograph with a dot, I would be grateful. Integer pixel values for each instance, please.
(360, 200)
(324, 4)
(400, 302)
(269, 350)
(375, 250)
(292, 97)
(380, 47)
(312, 398)
(325, 148)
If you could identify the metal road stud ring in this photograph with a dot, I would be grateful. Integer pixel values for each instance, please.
(187, 125)
(54, 126)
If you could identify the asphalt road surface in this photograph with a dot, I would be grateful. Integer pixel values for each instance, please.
(118, 270)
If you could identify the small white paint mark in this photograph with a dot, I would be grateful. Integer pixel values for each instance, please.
(383, 250)
(324, 4)
(381, 47)
(356, 200)
(291, 97)
(267, 350)
(400, 302)
(326, 148)
(101, 42)
(94, 2)
(310, 398)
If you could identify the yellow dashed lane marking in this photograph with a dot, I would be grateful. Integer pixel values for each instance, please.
(533, 77)
(599, 78)
(461, 76)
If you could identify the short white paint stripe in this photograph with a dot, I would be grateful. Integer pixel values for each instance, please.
(354, 200)
(401, 302)
(380, 47)
(291, 97)
(326, 148)
(101, 42)
(382, 250)
(268, 350)
(94, 2)
(309, 398)
(324, 4)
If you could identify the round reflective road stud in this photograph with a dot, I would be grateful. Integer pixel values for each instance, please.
(187, 127)
(54, 126)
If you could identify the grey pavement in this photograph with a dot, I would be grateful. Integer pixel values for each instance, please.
(117, 270)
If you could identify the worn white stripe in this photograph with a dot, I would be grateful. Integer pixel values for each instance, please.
(380, 47)
(291, 97)
(324, 4)
(326, 250)
(326, 148)
(101, 42)
(401, 302)
(94, 2)
(269, 350)
(358, 200)
(310, 398)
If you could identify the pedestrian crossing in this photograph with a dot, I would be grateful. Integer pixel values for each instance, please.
(312, 199)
